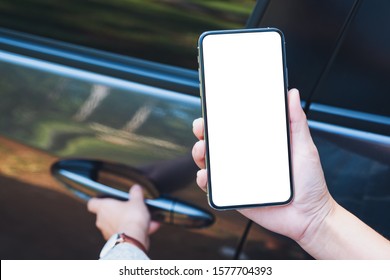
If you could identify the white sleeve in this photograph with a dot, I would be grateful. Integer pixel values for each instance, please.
(125, 251)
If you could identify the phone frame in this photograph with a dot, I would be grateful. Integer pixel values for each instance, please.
(204, 114)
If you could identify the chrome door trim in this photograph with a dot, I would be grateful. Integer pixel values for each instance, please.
(139, 70)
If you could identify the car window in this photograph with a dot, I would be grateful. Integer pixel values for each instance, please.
(164, 31)
(358, 79)
(311, 30)
(338, 56)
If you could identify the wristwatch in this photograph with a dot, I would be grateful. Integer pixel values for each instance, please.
(118, 238)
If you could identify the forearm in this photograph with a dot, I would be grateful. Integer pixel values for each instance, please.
(341, 235)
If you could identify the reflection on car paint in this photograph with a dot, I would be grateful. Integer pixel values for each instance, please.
(78, 114)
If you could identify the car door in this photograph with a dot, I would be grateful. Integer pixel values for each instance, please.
(102, 94)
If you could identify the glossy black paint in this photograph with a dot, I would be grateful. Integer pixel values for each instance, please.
(97, 61)
(338, 56)
(73, 113)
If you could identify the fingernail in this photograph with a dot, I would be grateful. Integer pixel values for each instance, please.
(197, 147)
(196, 121)
(136, 187)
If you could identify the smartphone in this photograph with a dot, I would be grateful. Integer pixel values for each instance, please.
(243, 86)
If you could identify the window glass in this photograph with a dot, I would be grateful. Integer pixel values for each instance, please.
(359, 76)
(311, 29)
(165, 31)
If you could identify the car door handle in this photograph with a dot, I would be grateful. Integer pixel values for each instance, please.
(163, 209)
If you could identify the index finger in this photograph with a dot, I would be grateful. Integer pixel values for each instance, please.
(198, 128)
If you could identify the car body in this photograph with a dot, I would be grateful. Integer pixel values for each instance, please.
(76, 98)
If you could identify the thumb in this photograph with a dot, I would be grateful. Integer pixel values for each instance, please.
(93, 205)
(297, 115)
(136, 193)
(299, 127)
(302, 142)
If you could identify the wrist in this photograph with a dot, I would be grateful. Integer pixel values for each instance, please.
(318, 233)
(342, 235)
(124, 238)
(138, 234)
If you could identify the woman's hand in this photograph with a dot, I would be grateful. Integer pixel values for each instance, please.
(131, 217)
(312, 201)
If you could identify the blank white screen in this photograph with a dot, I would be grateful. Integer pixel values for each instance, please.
(246, 119)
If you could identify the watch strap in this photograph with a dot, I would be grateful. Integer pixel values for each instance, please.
(128, 239)
(118, 238)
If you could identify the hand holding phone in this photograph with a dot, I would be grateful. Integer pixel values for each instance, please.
(244, 85)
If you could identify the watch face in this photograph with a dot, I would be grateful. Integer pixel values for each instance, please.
(109, 245)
